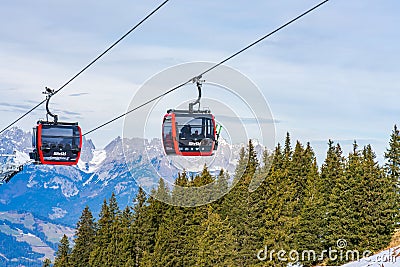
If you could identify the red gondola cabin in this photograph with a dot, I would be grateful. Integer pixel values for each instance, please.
(56, 143)
(189, 133)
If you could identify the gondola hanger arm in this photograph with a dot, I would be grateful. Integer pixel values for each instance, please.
(49, 93)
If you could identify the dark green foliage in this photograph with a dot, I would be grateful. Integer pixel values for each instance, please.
(287, 151)
(84, 239)
(63, 253)
(113, 206)
(124, 238)
(392, 155)
(362, 208)
(238, 207)
(100, 255)
(334, 184)
(332, 169)
(275, 205)
(310, 226)
(297, 206)
(113, 238)
(392, 168)
(46, 263)
(376, 190)
(139, 229)
(215, 242)
(346, 202)
(173, 239)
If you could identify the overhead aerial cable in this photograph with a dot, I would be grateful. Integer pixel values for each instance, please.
(198, 77)
(89, 65)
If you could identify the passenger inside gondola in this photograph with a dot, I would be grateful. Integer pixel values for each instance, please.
(196, 135)
(185, 132)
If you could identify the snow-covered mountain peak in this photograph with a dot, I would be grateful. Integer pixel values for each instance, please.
(97, 158)
(15, 139)
(87, 150)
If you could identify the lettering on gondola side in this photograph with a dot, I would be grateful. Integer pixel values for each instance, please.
(194, 143)
(57, 153)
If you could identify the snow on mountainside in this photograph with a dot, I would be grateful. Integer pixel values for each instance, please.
(57, 194)
(44, 188)
(60, 193)
(387, 258)
(42, 203)
(27, 240)
(98, 169)
(15, 139)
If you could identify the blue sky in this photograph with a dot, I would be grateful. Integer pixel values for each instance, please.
(332, 75)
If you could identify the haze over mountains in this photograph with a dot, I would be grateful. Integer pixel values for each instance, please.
(42, 203)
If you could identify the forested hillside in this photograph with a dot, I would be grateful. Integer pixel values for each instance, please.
(298, 206)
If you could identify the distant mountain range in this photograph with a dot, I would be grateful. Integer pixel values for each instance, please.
(26, 240)
(42, 203)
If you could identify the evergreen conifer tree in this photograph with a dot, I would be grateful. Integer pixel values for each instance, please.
(113, 206)
(287, 151)
(215, 242)
(221, 189)
(171, 239)
(378, 204)
(392, 166)
(344, 220)
(277, 205)
(174, 239)
(311, 216)
(99, 255)
(46, 263)
(139, 227)
(238, 207)
(84, 239)
(392, 155)
(295, 207)
(125, 242)
(333, 183)
(63, 253)
(153, 216)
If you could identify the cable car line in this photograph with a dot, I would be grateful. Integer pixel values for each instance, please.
(90, 64)
(138, 107)
(262, 38)
(198, 77)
